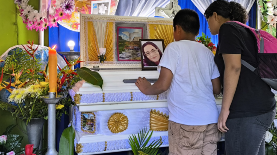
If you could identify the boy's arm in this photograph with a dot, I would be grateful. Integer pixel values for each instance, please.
(158, 87)
(216, 86)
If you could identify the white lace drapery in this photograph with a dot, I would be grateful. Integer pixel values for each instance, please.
(141, 8)
(202, 5)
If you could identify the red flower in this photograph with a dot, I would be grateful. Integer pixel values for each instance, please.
(29, 149)
(210, 44)
(214, 48)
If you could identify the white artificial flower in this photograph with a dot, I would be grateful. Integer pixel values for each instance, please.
(102, 9)
(39, 17)
(271, 20)
(58, 3)
(270, 11)
(29, 9)
(24, 4)
(268, 136)
(269, 4)
(275, 12)
(33, 15)
(102, 51)
(52, 11)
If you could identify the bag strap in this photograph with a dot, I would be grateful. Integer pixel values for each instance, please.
(261, 41)
(247, 65)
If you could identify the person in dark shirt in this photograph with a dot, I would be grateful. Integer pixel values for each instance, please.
(248, 105)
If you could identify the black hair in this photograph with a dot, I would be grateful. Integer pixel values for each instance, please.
(231, 10)
(188, 20)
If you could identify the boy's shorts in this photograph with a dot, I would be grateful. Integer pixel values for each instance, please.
(193, 140)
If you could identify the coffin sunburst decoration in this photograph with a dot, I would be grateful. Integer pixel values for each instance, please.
(118, 122)
(158, 121)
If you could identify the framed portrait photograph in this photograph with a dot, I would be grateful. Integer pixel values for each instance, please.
(128, 44)
(101, 7)
(88, 122)
(151, 53)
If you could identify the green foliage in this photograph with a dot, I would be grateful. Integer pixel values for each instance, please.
(90, 76)
(271, 30)
(13, 142)
(204, 39)
(140, 143)
(67, 142)
(21, 61)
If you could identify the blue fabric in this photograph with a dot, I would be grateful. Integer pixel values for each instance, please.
(60, 36)
(253, 16)
(204, 27)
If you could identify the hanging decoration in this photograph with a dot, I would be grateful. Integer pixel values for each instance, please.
(268, 11)
(51, 12)
(84, 7)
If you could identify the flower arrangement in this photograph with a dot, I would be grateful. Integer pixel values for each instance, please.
(269, 15)
(51, 13)
(101, 56)
(207, 42)
(10, 144)
(25, 82)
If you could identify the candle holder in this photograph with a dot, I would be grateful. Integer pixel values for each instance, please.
(51, 100)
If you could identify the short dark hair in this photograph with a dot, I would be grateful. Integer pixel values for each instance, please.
(231, 10)
(188, 20)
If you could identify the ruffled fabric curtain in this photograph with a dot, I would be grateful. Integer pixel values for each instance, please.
(141, 8)
(202, 5)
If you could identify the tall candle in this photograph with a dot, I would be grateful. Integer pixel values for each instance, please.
(52, 67)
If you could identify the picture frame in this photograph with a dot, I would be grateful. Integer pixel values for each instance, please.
(153, 28)
(88, 122)
(128, 44)
(101, 7)
(151, 53)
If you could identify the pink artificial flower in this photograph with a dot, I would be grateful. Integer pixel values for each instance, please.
(53, 3)
(59, 14)
(30, 25)
(3, 139)
(11, 153)
(52, 21)
(38, 25)
(44, 24)
(67, 16)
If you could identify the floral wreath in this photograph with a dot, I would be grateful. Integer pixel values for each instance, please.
(269, 15)
(54, 11)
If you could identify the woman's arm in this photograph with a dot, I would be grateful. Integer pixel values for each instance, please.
(231, 77)
(158, 87)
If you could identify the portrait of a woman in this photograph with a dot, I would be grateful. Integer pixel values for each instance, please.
(151, 54)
